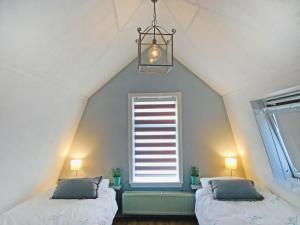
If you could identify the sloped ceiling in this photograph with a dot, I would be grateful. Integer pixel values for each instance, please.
(82, 44)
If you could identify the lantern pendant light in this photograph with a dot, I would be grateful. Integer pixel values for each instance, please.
(155, 47)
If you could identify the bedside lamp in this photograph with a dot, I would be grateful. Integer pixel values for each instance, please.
(76, 165)
(231, 164)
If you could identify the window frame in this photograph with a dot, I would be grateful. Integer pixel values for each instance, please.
(179, 139)
(282, 166)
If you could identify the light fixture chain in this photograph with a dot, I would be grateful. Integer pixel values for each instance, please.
(154, 22)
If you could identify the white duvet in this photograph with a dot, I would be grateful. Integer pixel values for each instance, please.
(271, 211)
(41, 210)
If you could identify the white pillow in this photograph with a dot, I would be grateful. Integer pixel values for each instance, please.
(104, 184)
(204, 180)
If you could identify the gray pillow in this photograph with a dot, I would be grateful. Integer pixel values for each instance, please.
(235, 190)
(77, 188)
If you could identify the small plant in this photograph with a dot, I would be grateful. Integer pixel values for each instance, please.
(195, 175)
(195, 171)
(116, 172)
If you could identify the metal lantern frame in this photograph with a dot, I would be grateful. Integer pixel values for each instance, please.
(166, 37)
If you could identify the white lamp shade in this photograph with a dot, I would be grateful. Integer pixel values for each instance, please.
(231, 163)
(76, 164)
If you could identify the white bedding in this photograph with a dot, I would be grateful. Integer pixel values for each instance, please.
(271, 211)
(41, 210)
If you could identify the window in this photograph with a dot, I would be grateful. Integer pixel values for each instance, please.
(155, 139)
(279, 122)
(284, 114)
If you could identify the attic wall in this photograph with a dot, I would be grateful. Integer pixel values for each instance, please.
(102, 136)
(246, 132)
(37, 125)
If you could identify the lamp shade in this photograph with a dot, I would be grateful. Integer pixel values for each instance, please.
(76, 164)
(231, 163)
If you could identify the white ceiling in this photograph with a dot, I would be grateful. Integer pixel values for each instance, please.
(81, 44)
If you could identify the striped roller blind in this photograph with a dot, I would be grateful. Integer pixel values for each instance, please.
(155, 139)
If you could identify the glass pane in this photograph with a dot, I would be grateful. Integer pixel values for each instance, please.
(289, 127)
(158, 54)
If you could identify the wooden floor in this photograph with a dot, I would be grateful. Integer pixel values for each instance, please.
(155, 221)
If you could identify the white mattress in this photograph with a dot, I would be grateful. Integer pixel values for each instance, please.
(41, 210)
(271, 211)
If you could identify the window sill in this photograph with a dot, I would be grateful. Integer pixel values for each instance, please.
(292, 184)
(156, 185)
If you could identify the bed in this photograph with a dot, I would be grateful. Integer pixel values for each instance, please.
(270, 211)
(41, 210)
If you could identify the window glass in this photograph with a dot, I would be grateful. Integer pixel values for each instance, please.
(289, 128)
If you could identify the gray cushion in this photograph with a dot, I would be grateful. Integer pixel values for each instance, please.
(78, 188)
(235, 190)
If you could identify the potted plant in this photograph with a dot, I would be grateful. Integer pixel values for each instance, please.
(195, 175)
(117, 173)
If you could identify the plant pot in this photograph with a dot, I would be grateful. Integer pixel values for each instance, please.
(117, 181)
(195, 180)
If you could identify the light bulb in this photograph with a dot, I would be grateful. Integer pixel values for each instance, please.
(154, 53)
(151, 60)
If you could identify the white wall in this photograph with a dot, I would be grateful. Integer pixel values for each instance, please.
(37, 123)
(247, 134)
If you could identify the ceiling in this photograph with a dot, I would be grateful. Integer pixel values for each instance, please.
(80, 45)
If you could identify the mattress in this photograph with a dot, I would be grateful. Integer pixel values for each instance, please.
(271, 211)
(41, 210)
